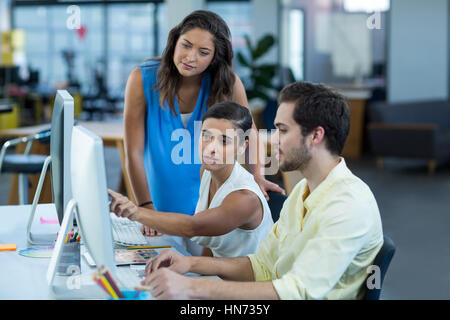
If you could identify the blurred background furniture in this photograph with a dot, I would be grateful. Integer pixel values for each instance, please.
(410, 130)
(9, 114)
(23, 164)
(111, 134)
(357, 97)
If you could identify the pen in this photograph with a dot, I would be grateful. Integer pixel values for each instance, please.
(149, 247)
(74, 239)
(70, 236)
(142, 288)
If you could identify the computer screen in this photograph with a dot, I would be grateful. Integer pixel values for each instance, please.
(60, 147)
(89, 190)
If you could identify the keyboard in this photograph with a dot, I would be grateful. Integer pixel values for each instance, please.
(127, 232)
(129, 278)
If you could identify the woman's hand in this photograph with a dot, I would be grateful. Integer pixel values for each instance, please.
(266, 185)
(149, 232)
(122, 206)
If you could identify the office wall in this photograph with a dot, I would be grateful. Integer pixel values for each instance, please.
(265, 20)
(177, 10)
(418, 50)
(318, 32)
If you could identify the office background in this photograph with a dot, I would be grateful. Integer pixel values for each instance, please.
(390, 58)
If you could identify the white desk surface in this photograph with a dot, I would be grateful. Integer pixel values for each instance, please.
(24, 277)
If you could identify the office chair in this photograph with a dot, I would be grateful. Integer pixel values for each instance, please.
(23, 164)
(275, 202)
(382, 260)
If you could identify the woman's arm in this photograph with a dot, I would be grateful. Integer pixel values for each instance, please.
(134, 137)
(240, 208)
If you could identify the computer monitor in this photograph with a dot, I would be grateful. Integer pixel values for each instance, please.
(60, 148)
(89, 190)
(59, 160)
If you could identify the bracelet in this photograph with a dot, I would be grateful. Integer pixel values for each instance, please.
(145, 203)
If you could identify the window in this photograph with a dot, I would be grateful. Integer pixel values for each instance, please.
(47, 36)
(117, 38)
(238, 16)
(366, 6)
(292, 42)
(130, 41)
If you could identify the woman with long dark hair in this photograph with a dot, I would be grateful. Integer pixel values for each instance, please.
(172, 93)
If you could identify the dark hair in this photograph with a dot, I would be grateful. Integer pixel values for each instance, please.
(222, 75)
(317, 105)
(238, 115)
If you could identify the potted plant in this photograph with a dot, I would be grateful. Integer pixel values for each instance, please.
(259, 82)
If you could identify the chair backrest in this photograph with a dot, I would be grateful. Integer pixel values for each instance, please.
(382, 260)
(275, 202)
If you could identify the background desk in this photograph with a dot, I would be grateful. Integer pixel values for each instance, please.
(25, 278)
(111, 134)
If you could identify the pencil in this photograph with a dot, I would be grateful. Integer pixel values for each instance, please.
(107, 274)
(100, 283)
(108, 287)
(149, 247)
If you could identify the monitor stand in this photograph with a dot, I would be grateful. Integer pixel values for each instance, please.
(39, 239)
(67, 276)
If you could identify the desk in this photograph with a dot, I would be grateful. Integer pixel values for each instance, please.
(110, 132)
(25, 278)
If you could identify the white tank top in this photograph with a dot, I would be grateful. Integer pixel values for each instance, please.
(185, 117)
(239, 242)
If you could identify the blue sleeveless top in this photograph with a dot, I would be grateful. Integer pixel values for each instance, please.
(171, 159)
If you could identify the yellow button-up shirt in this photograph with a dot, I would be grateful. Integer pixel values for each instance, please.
(324, 254)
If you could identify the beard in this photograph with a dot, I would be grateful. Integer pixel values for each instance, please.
(296, 159)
